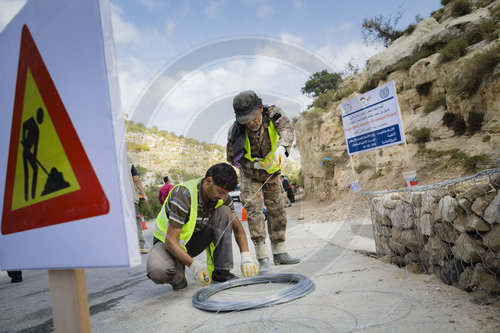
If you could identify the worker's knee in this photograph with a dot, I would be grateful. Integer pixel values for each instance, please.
(157, 276)
(162, 275)
(161, 267)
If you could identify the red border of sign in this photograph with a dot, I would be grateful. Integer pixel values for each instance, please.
(90, 200)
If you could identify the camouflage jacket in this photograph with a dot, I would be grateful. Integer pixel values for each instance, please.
(260, 143)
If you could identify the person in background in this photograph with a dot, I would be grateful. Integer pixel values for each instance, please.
(258, 145)
(165, 190)
(137, 186)
(199, 215)
(288, 190)
(284, 183)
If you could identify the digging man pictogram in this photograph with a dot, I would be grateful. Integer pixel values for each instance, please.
(31, 135)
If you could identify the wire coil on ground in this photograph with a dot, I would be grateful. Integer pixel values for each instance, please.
(302, 286)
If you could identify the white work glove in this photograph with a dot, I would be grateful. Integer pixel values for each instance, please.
(200, 273)
(248, 268)
(262, 165)
(280, 157)
(278, 160)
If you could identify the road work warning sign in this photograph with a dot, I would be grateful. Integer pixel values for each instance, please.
(65, 195)
(49, 177)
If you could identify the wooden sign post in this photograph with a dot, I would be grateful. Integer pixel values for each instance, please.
(68, 294)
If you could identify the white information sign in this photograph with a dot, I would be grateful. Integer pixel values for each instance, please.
(65, 194)
(372, 120)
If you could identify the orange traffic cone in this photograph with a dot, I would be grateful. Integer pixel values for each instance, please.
(143, 223)
(244, 214)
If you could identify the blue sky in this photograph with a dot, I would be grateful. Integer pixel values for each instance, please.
(175, 48)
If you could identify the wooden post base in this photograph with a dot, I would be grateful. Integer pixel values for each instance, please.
(70, 308)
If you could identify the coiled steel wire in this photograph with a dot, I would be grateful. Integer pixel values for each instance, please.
(301, 286)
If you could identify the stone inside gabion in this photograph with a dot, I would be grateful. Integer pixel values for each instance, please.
(451, 229)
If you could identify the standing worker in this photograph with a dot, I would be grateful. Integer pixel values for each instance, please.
(258, 144)
(285, 185)
(138, 185)
(165, 190)
(288, 189)
(199, 215)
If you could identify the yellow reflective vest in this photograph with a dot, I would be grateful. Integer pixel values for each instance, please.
(188, 228)
(274, 136)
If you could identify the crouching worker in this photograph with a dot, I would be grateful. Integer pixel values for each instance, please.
(199, 215)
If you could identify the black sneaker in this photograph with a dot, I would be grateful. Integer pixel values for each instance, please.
(16, 276)
(16, 280)
(223, 275)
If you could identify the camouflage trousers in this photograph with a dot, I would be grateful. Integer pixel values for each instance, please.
(256, 193)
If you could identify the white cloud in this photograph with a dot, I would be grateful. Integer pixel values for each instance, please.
(148, 3)
(292, 38)
(343, 27)
(355, 52)
(132, 81)
(202, 87)
(124, 32)
(170, 26)
(9, 9)
(297, 4)
(141, 52)
(213, 7)
(264, 9)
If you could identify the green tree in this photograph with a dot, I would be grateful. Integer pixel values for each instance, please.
(460, 8)
(321, 82)
(159, 178)
(350, 69)
(380, 30)
(131, 126)
(153, 207)
(141, 170)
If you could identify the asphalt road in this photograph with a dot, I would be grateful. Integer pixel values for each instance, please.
(354, 292)
(26, 307)
(112, 292)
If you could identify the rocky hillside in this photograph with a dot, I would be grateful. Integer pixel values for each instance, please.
(164, 154)
(161, 153)
(447, 77)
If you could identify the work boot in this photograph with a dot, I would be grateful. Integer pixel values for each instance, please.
(284, 259)
(264, 265)
(222, 275)
(143, 251)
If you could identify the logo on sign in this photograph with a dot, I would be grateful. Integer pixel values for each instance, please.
(384, 92)
(364, 101)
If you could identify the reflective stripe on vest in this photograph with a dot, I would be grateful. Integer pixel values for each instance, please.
(188, 228)
(273, 135)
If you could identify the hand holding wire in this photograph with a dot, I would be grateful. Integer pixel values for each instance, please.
(277, 160)
(248, 268)
(200, 273)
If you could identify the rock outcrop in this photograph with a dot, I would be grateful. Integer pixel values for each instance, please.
(327, 168)
(428, 32)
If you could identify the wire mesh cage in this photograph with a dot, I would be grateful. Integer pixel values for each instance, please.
(451, 229)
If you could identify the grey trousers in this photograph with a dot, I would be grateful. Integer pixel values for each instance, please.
(163, 267)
